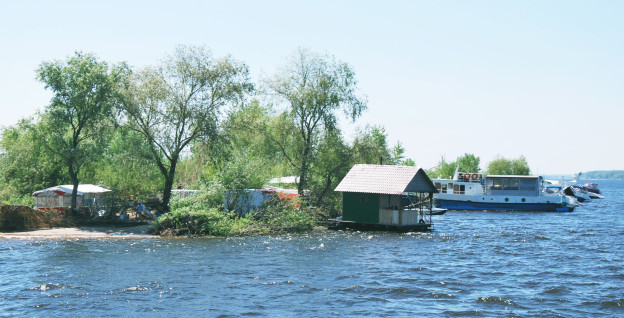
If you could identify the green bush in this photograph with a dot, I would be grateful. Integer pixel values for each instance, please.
(194, 216)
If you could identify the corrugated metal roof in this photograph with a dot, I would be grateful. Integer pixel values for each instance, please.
(82, 189)
(384, 179)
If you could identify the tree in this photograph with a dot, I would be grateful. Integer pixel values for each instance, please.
(179, 102)
(123, 167)
(315, 88)
(502, 166)
(25, 163)
(333, 161)
(469, 163)
(466, 163)
(370, 146)
(85, 91)
(443, 169)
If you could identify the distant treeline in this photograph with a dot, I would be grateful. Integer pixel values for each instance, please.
(611, 174)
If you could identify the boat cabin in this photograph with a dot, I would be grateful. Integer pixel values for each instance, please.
(513, 185)
(477, 184)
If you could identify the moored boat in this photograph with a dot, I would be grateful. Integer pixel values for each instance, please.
(473, 191)
(590, 187)
(579, 195)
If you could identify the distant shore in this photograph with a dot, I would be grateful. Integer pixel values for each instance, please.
(82, 232)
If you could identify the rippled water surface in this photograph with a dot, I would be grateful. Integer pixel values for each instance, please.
(472, 264)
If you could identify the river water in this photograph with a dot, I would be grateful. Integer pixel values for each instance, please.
(479, 264)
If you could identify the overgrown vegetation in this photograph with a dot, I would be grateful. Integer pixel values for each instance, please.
(196, 216)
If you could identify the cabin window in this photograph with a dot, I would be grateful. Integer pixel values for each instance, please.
(438, 186)
(505, 183)
(527, 184)
(459, 189)
(495, 184)
(444, 188)
(513, 184)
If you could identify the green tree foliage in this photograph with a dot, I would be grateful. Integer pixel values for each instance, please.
(25, 164)
(332, 163)
(85, 92)
(180, 102)
(247, 136)
(370, 146)
(502, 166)
(315, 87)
(443, 169)
(467, 163)
(123, 166)
(611, 174)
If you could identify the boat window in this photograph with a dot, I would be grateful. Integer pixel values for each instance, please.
(527, 184)
(495, 184)
(462, 189)
(444, 188)
(513, 184)
(456, 189)
(438, 186)
(505, 184)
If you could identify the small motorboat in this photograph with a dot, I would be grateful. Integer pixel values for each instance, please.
(581, 196)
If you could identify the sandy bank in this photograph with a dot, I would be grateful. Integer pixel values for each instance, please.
(91, 232)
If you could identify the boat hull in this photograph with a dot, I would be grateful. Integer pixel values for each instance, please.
(500, 206)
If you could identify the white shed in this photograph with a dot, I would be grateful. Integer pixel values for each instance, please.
(59, 197)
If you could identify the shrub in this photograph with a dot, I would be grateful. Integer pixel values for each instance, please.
(194, 216)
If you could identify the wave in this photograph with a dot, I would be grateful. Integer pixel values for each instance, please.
(497, 301)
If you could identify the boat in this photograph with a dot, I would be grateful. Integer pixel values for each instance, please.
(589, 187)
(595, 195)
(578, 194)
(474, 191)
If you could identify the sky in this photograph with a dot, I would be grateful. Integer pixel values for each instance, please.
(539, 79)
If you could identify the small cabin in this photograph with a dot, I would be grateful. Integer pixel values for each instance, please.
(387, 195)
(59, 197)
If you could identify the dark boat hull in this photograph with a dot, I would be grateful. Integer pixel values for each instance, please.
(495, 206)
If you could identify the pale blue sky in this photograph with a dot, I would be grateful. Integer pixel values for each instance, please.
(541, 79)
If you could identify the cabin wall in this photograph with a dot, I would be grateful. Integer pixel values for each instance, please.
(360, 207)
(420, 183)
(48, 201)
(389, 202)
(53, 200)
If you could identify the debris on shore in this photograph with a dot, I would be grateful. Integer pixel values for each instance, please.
(21, 217)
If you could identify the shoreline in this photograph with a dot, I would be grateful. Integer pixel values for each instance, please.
(83, 232)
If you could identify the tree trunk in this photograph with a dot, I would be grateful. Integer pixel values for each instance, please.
(303, 171)
(169, 178)
(73, 174)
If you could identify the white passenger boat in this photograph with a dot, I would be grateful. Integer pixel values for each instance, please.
(473, 191)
